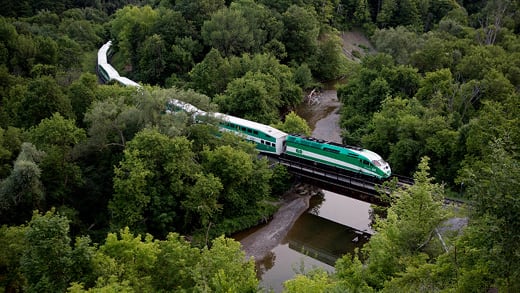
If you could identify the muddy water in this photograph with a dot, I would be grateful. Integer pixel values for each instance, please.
(333, 225)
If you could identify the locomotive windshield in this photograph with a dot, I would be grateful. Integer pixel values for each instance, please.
(379, 163)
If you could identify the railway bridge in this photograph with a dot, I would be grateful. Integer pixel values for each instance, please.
(345, 183)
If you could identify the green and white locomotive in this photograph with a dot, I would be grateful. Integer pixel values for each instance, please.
(353, 159)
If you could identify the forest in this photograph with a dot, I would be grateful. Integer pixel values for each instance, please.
(102, 190)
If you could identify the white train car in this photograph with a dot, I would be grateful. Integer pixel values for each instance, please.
(126, 81)
(108, 73)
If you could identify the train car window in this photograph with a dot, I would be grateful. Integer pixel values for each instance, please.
(255, 132)
(242, 128)
(366, 162)
(331, 150)
(249, 130)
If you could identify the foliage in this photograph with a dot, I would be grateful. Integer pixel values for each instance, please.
(265, 26)
(281, 180)
(57, 136)
(228, 32)
(492, 241)
(130, 26)
(111, 123)
(257, 72)
(294, 124)
(10, 143)
(399, 42)
(351, 275)
(129, 263)
(330, 62)
(49, 262)
(42, 98)
(152, 61)
(22, 191)
(128, 258)
(197, 12)
(377, 79)
(254, 96)
(211, 76)
(244, 180)
(317, 281)
(82, 93)
(12, 247)
(301, 33)
(401, 238)
(223, 268)
(446, 93)
(151, 182)
(202, 200)
(411, 131)
(176, 260)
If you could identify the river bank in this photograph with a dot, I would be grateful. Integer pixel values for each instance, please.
(323, 118)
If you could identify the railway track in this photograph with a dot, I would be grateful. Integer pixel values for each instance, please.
(402, 180)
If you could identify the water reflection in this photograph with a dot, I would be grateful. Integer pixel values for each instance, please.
(344, 210)
(333, 226)
(286, 263)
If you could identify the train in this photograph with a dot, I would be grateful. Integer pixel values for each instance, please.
(272, 141)
(269, 140)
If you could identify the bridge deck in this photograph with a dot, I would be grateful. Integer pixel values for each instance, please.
(335, 180)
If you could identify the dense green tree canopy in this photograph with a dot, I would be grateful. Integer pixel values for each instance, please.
(151, 182)
(228, 31)
(444, 83)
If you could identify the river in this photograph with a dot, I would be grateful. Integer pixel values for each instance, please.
(318, 238)
(311, 230)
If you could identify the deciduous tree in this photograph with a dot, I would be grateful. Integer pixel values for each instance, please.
(301, 33)
(410, 225)
(294, 124)
(152, 181)
(255, 96)
(57, 136)
(47, 262)
(229, 32)
(22, 191)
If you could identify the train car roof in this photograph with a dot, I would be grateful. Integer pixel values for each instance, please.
(184, 106)
(232, 119)
(126, 81)
(370, 155)
(102, 53)
(112, 73)
(251, 124)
